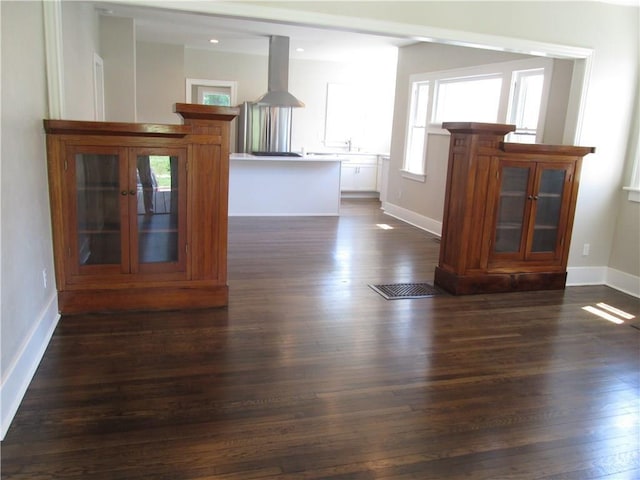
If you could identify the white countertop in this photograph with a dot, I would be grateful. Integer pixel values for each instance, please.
(306, 158)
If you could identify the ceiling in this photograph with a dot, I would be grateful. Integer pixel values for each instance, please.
(250, 36)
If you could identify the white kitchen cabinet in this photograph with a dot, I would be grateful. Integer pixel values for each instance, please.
(359, 173)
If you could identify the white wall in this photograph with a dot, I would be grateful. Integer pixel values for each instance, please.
(557, 105)
(625, 252)
(118, 50)
(28, 309)
(159, 82)
(80, 42)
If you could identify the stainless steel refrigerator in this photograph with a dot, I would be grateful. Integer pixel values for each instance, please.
(264, 128)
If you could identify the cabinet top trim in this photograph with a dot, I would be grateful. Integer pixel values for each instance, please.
(75, 127)
(540, 149)
(479, 128)
(205, 112)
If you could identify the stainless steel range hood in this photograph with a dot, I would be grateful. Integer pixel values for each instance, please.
(278, 87)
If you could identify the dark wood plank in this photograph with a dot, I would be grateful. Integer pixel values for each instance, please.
(310, 374)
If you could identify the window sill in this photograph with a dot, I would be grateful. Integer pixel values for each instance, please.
(416, 177)
(634, 193)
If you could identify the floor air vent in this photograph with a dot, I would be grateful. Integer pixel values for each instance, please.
(395, 291)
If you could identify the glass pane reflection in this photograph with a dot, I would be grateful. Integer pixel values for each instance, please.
(98, 208)
(548, 207)
(157, 209)
(513, 193)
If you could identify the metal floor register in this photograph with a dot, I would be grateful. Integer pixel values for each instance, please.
(395, 291)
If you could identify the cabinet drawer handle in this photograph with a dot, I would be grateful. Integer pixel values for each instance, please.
(132, 192)
(123, 193)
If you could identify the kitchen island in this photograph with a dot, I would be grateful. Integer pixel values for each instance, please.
(284, 186)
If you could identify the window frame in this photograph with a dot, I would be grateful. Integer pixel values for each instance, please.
(633, 189)
(408, 171)
(515, 98)
(200, 82)
(461, 79)
(506, 70)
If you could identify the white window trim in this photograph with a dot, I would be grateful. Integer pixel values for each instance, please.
(506, 69)
(634, 187)
(546, 87)
(419, 176)
(98, 88)
(52, 12)
(191, 82)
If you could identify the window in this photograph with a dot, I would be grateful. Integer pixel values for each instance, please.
(212, 97)
(211, 92)
(525, 106)
(417, 129)
(634, 187)
(340, 119)
(474, 99)
(511, 92)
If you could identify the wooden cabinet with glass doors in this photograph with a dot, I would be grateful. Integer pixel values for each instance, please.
(139, 212)
(508, 212)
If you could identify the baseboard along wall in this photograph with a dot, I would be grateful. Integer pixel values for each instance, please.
(21, 371)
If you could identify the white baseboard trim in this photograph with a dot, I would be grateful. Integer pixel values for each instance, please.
(625, 282)
(19, 374)
(412, 218)
(580, 276)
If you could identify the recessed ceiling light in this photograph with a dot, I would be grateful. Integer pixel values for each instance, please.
(214, 40)
(299, 49)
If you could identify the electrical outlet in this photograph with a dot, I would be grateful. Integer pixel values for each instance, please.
(44, 278)
(585, 250)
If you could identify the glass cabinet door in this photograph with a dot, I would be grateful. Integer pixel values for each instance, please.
(98, 200)
(548, 199)
(159, 209)
(512, 203)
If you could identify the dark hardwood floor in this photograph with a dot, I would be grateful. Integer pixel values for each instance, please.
(311, 374)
